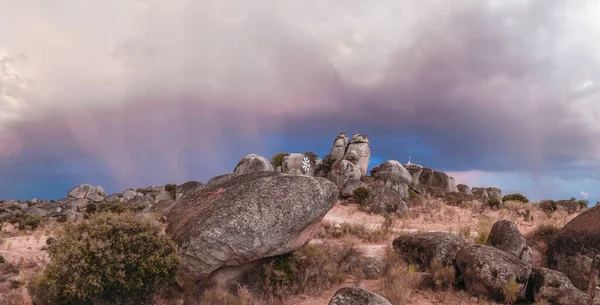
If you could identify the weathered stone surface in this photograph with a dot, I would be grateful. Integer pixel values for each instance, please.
(350, 186)
(129, 194)
(425, 248)
(218, 180)
(506, 236)
(357, 296)
(189, 187)
(112, 198)
(360, 145)
(494, 192)
(253, 163)
(480, 193)
(163, 195)
(35, 211)
(94, 193)
(292, 164)
(487, 271)
(393, 175)
(345, 169)
(423, 178)
(383, 200)
(223, 229)
(339, 146)
(464, 189)
(555, 288)
(575, 246)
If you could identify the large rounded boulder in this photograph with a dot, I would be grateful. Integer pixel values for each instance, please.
(223, 230)
(553, 287)
(425, 248)
(383, 200)
(251, 164)
(464, 189)
(506, 236)
(575, 246)
(357, 296)
(488, 271)
(86, 191)
(393, 175)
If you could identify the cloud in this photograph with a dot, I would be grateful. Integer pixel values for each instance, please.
(584, 194)
(486, 85)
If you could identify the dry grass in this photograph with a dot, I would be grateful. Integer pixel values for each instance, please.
(363, 231)
(398, 279)
(484, 226)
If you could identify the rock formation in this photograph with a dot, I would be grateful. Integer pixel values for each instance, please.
(464, 189)
(506, 236)
(487, 271)
(554, 287)
(480, 193)
(427, 178)
(423, 249)
(360, 145)
(394, 176)
(224, 229)
(340, 144)
(383, 200)
(251, 164)
(345, 169)
(574, 248)
(94, 193)
(297, 164)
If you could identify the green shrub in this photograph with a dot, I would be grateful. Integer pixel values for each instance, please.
(515, 197)
(171, 189)
(91, 208)
(494, 203)
(361, 194)
(324, 167)
(26, 222)
(277, 159)
(583, 204)
(108, 259)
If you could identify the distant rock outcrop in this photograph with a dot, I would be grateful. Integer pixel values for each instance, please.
(251, 164)
(94, 193)
(480, 193)
(494, 192)
(357, 296)
(425, 178)
(228, 227)
(360, 145)
(464, 189)
(340, 144)
(393, 175)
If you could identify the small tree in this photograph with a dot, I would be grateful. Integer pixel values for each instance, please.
(277, 159)
(374, 171)
(108, 259)
(324, 167)
(494, 203)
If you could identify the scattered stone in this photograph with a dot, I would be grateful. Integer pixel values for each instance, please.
(425, 248)
(357, 296)
(488, 271)
(506, 236)
(555, 288)
(129, 194)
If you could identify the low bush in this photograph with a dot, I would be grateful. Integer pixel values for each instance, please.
(515, 197)
(361, 194)
(108, 259)
(171, 189)
(548, 206)
(324, 167)
(373, 171)
(311, 268)
(26, 222)
(493, 203)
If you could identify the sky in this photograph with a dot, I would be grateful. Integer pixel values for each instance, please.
(132, 93)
